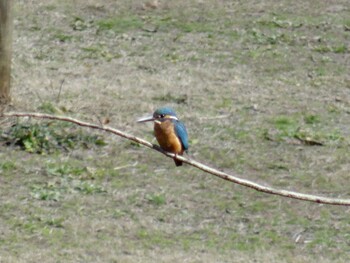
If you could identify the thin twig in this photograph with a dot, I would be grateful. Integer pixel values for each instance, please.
(205, 168)
(125, 166)
(59, 91)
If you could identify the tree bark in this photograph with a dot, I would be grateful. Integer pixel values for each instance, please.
(6, 26)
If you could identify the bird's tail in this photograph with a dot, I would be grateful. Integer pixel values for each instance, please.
(178, 163)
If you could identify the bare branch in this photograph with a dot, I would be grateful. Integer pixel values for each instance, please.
(222, 175)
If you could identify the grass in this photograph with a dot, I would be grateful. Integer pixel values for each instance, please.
(47, 138)
(120, 24)
(263, 90)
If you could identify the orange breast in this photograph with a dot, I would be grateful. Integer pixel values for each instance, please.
(166, 137)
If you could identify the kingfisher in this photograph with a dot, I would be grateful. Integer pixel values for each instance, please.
(170, 133)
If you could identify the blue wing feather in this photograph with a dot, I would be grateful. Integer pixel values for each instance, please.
(181, 132)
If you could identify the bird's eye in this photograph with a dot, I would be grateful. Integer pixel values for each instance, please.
(161, 115)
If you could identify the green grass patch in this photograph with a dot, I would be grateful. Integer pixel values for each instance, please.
(65, 179)
(308, 131)
(49, 137)
(285, 123)
(62, 37)
(204, 24)
(7, 166)
(65, 169)
(274, 23)
(98, 51)
(80, 24)
(88, 188)
(260, 37)
(120, 24)
(47, 107)
(312, 119)
(47, 192)
(337, 49)
(156, 199)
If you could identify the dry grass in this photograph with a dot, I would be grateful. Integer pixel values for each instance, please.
(275, 71)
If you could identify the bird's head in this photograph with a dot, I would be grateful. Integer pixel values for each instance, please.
(160, 115)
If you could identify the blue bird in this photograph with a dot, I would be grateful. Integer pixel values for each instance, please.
(170, 133)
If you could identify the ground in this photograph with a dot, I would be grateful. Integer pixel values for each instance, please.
(263, 88)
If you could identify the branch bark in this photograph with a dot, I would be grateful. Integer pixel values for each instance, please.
(205, 168)
(6, 25)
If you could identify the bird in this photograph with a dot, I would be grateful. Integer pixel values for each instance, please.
(170, 133)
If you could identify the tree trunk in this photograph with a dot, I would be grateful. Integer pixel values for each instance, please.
(6, 25)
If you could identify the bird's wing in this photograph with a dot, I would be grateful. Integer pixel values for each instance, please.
(181, 132)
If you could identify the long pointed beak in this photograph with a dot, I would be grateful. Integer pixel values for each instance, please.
(144, 119)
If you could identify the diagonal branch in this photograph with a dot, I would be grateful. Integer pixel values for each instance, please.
(222, 175)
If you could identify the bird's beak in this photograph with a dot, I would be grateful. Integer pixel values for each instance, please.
(144, 119)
